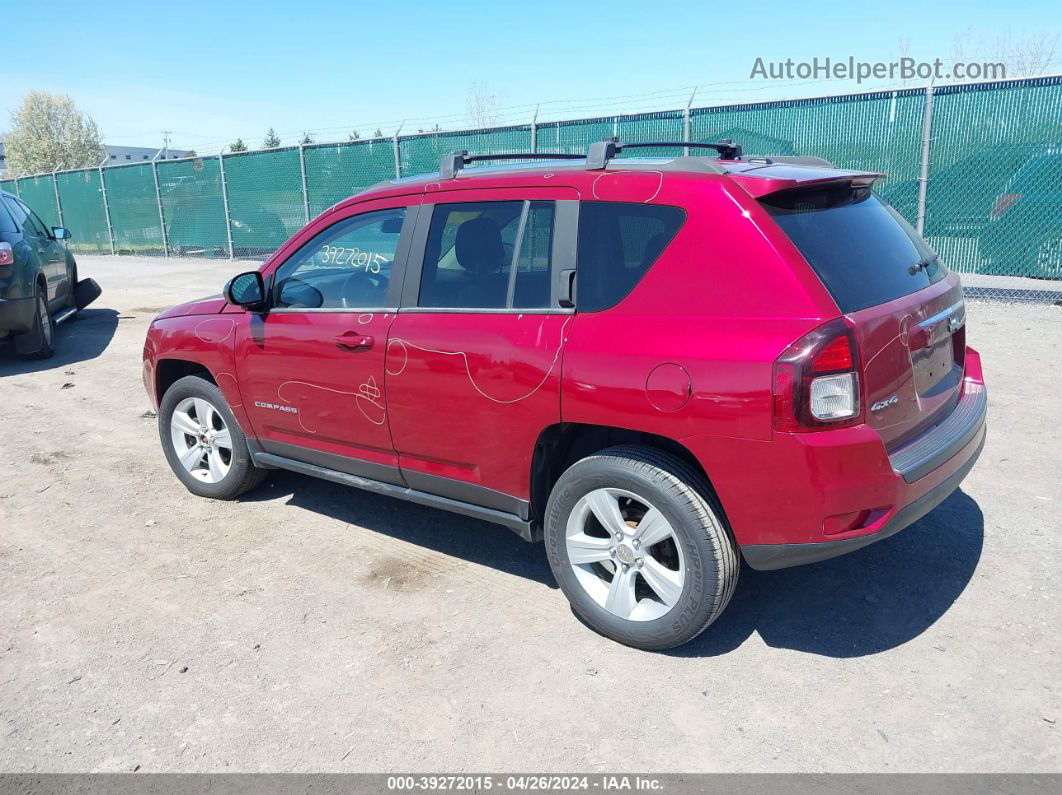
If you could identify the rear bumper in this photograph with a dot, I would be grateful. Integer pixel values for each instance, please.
(16, 315)
(780, 556)
(805, 497)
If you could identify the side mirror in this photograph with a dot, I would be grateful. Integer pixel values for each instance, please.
(247, 290)
(60, 233)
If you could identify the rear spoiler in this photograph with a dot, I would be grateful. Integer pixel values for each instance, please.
(779, 176)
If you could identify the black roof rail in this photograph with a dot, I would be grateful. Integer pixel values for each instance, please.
(601, 152)
(451, 164)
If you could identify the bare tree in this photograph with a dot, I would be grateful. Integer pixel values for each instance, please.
(1027, 56)
(483, 105)
(903, 47)
(1024, 56)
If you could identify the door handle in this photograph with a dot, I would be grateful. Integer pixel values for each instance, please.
(354, 343)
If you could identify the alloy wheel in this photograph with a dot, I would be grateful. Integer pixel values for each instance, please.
(201, 439)
(625, 554)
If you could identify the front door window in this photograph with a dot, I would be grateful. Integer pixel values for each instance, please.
(348, 266)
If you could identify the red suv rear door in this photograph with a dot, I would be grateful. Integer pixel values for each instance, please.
(474, 355)
(311, 370)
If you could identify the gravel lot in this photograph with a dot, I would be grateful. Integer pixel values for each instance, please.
(309, 627)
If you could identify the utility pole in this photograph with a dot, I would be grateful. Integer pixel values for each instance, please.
(166, 143)
(687, 125)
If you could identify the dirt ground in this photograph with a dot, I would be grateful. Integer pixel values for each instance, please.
(310, 627)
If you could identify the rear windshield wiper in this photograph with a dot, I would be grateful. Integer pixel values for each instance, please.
(922, 264)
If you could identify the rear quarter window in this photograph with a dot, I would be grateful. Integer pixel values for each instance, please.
(863, 251)
(618, 243)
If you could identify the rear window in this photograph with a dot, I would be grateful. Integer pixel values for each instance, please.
(861, 249)
(618, 242)
(9, 213)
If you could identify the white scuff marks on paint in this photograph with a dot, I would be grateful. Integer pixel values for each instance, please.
(393, 345)
(209, 335)
(235, 387)
(468, 370)
(659, 182)
(368, 399)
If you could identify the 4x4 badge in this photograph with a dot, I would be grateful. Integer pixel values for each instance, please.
(884, 404)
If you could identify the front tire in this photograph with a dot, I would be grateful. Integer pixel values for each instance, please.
(204, 445)
(640, 547)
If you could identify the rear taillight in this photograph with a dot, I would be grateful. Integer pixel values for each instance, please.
(7, 255)
(816, 381)
(1004, 203)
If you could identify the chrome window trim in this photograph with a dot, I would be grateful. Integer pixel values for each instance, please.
(446, 310)
(287, 310)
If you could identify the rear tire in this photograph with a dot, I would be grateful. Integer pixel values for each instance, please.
(43, 328)
(653, 595)
(71, 301)
(204, 445)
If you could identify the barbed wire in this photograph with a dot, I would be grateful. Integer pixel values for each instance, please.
(705, 94)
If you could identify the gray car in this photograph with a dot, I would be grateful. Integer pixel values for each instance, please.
(39, 287)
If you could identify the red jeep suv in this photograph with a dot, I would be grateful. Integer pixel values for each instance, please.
(653, 365)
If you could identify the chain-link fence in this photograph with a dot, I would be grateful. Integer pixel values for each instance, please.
(977, 167)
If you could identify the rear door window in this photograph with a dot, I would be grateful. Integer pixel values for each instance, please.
(864, 252)
(472, 249)
(618, 243)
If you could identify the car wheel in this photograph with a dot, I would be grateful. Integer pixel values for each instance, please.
(43, 328)
(639, 545)
(204, 446)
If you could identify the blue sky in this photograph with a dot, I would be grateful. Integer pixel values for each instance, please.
(213, 71)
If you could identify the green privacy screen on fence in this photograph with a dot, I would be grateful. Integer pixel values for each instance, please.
(82, 200)
(573, 137)
(193, 207)
(134, 209)
(421, 154)
(39, 193)
(873, 132)
(336, 171)
(993, 197)
(266, 202)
